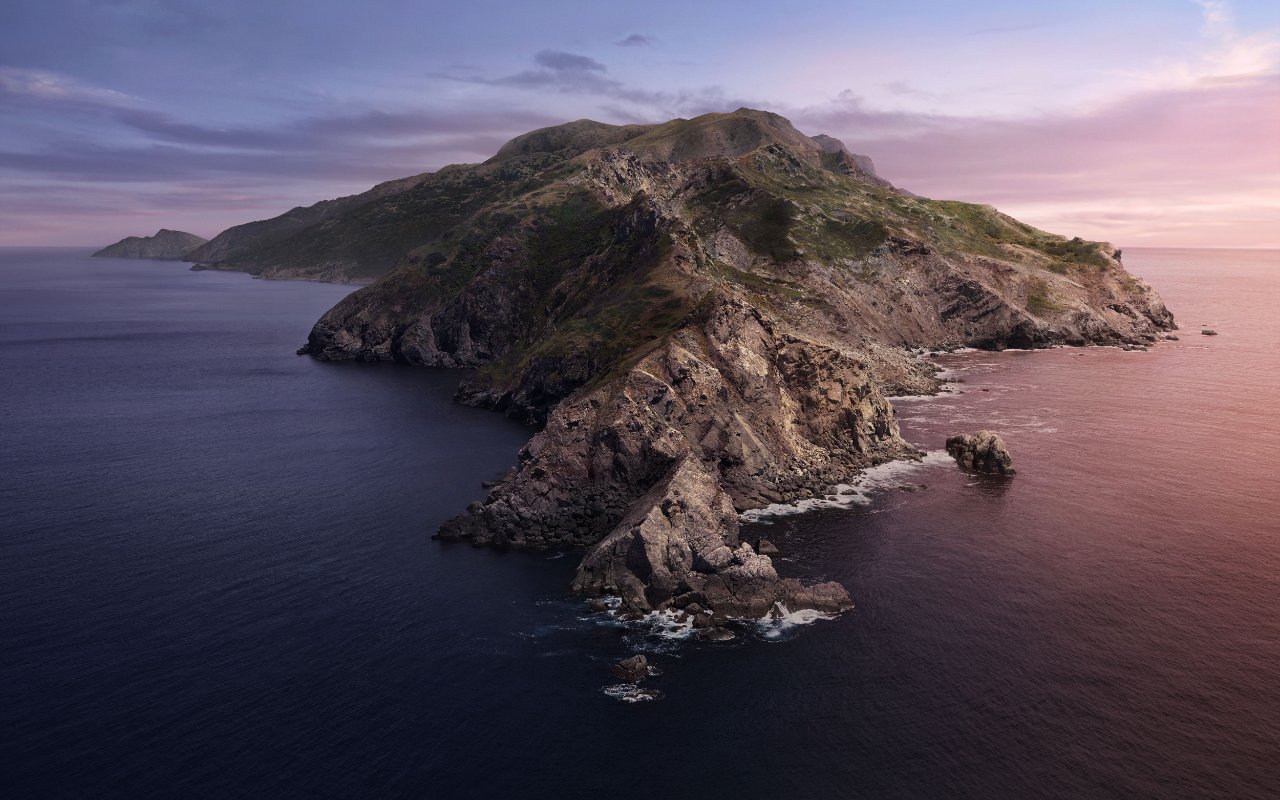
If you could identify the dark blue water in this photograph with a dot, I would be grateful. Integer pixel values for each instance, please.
(216, 578)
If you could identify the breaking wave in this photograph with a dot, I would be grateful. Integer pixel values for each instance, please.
(780, 620)
(860, 492)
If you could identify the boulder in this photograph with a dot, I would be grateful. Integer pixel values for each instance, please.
(829, 597)
(766, 548)
(1209, 332)
(632, 670)
(983, 451)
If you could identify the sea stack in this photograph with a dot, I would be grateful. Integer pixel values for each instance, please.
(983, 451)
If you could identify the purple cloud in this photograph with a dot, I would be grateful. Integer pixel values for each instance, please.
(636, 40)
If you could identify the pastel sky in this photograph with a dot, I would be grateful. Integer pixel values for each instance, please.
(1144, 122)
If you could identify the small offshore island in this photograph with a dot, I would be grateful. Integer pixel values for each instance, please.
(703, 317)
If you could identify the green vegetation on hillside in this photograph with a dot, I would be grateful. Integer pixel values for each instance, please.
(1039, 300)
(600, 275)
(777, 203)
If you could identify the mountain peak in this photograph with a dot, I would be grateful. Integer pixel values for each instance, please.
(718, 134)
(570, 138)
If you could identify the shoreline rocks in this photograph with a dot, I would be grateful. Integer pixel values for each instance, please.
(632, 670)
(983, 451)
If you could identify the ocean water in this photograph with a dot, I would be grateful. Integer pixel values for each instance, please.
(216, 577)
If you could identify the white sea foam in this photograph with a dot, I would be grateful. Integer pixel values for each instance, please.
(943, 394)
(861, 492)
(630, 693)
(667, 624)
(780, 620)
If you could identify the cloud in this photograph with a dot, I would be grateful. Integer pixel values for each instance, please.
(568, 62)
(1164, 158)
(636, 40)
(39, 86)
(1223, 53)
(558, 70)
(905, 89)
(570, 73)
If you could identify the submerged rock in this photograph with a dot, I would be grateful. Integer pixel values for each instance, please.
(717, 634)
(983, 451)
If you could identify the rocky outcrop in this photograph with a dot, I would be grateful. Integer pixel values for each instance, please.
(983, 451)
(633, 669)
(703, 317)
(652, 469)
(165, 245)
(678, 546)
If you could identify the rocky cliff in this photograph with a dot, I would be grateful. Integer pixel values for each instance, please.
(166, 245)
(703, 316)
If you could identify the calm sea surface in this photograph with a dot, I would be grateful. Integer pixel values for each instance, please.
(216, 578)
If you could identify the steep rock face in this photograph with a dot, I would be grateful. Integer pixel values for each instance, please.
(166, 245)
(679, 546)
(728, 414)
(705, 316)
(774, 417)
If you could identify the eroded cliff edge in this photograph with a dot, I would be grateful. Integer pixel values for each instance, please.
(704, 316)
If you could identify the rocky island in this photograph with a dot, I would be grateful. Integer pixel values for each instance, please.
(702, 317)
(166, 245)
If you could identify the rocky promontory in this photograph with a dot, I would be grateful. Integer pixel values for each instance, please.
(702, 317)
(166, 245)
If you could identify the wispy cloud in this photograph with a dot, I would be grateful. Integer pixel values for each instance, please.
(636, 40)
(1222, 54)
(571, 73)
(1134, 170)
(42, 86)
